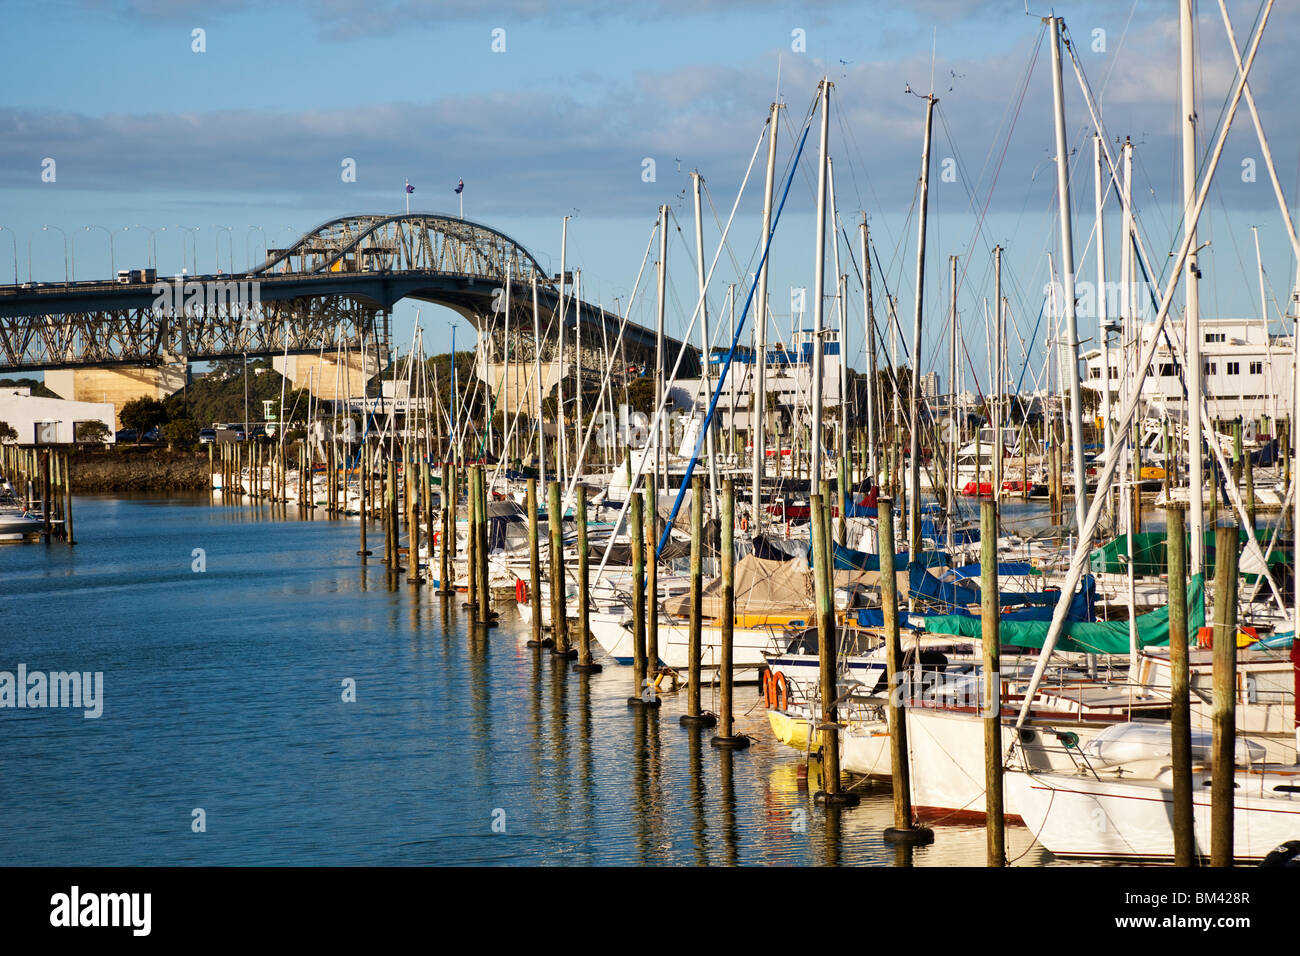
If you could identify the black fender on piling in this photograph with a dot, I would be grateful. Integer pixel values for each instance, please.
(915, 836)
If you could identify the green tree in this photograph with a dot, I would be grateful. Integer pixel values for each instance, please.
(8, 432)
(142, 414)
(92, 431)
(181, 431)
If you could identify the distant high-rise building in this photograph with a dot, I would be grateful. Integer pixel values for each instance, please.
(930, 386)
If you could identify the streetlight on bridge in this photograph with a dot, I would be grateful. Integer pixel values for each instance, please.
(265, 250)
(67, 276)
(231, 240)
(112, 258)
(194, 261)
(14, 236)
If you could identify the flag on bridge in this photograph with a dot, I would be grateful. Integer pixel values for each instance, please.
(409, 188)
(460, 186)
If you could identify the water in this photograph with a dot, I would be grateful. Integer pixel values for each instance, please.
(223, 690)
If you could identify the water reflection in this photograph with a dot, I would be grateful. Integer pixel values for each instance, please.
(451, 722)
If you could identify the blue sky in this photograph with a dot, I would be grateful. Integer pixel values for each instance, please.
(253, 131)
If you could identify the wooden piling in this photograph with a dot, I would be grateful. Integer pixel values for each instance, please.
(652, 578)
(902, 831)
(643, 693)
(449, 531)
(471, 541)
(1180, 717)
(841, 496)
(426, 508)
(414, 502)
(584, 664)
(828, 726)
(67, 508)
(534, 565)
(559, 610)
(694, 716)
(1224, 714)
(361, 491)
(727, 738)
(990, 628)
(1250, 494)
(486, 616)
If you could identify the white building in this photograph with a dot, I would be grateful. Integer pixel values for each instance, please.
(50, 420)
(1247, 370)
(788, 381)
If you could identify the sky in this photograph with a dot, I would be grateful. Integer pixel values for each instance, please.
(225, 127)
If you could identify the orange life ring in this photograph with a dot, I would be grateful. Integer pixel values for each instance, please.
(744, 524)
(521, 591)
(781, 691)
(769, 694)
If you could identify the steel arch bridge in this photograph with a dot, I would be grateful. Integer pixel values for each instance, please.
(330, 290)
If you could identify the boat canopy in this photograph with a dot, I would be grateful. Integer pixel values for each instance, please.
(1099, 637)
(1150, 553)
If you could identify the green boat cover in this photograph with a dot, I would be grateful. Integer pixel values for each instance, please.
(1102, 637)
(1150, 556)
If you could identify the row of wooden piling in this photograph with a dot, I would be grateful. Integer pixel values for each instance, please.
(43, 475)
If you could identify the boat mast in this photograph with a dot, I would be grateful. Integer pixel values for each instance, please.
(577, 364)
(954, 436)
(1192, 274)
(731, 307)
(869, 322)
(1127, 296)
(759, 391)
(703, 283)
(1102, 319)
(561, 468)
(819, 283)
(914, 499)
(537, 387)
(999, 374)
(1067, 277)
(841, 291)
(661, 464)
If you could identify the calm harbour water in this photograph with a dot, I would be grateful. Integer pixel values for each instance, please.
(223, 690)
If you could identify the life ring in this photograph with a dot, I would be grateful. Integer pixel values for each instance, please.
(780, 690)
(744, 524)
(521, 591)
(769, 692)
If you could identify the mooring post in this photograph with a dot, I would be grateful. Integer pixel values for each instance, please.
(446, 493)
(585, 664)
(534, 568)
(1180, 717)
(415, 501)
(487, 617)
(67, 511)
(471, 542)
(1223, 762)
(652, 579)
(842, 497)
(559, 609)
(828, 726)
(727, 737)
(990, 629)
(361, 491)
(903, 830)
(426, 507)
(694, 715)
(643, 689)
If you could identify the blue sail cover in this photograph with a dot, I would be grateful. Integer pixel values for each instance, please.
(1037, 606)
(849, 559)
(1005, 569)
